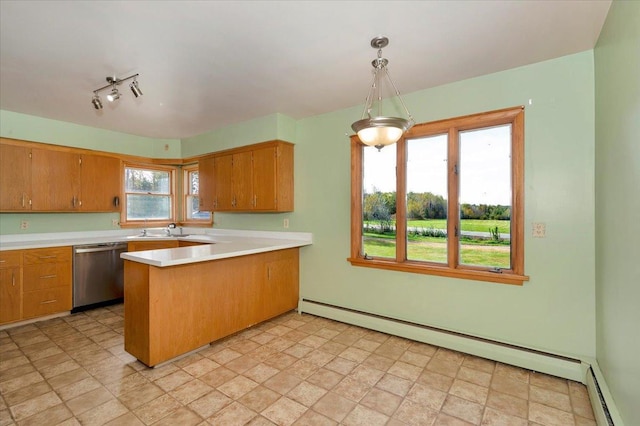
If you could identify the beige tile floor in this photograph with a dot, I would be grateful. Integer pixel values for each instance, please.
(295, 369)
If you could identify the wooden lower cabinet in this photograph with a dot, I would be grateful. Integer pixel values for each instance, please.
(10, 286)
(173, 310)
(35, 283)
(47, 285)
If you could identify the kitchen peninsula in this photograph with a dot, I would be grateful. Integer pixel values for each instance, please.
(180, 299)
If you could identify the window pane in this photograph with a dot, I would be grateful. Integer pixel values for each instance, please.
(152, 207)
(427, 199)
(379, 202)
(485, 197)
(193, 209)
(147, 181)
(193, 183)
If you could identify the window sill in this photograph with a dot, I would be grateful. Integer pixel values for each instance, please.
(501, 278)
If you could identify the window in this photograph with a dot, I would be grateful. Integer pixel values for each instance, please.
(149, 194)
(446, 200)
(191, 207)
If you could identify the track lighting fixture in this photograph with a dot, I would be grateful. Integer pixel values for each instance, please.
(115, 93)
(97, 103)
(380, 131)
(135, 89)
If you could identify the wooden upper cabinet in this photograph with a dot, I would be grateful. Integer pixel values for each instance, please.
(252, 178)
(15, 178)
(223, 188)
(55, 180)
(242, 181)
(101, 187)
(206, 182)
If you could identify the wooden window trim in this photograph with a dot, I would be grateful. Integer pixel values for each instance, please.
(516, 276)
(186, 192)
(126, 223)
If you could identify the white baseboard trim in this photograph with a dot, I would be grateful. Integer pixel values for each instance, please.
(604, 407)
(584, 370)
(554, 364)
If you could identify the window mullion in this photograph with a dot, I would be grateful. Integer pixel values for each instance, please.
(356, 197)
(453, 215)
(401, 201)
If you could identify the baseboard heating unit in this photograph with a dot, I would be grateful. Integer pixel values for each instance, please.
(531, 359)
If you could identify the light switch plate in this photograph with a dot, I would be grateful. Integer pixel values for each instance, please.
(539, 230)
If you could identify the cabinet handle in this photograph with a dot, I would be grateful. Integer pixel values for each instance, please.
(13, 278)
(23, 205)
(73, 202)
(269, 273)
(48, 257)
(255, 200)
(43, 277)
(2, 261)
(49, 301)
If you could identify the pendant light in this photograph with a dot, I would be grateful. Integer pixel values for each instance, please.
(379, 130)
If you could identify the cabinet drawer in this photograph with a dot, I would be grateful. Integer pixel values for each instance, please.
(47, 255)
(9, 259)
(44, 302)
(47, 275)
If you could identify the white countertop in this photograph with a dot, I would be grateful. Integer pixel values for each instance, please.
(218, 248)
(219, 243)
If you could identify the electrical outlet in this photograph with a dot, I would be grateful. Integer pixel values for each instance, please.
(24, 224)
(285, 223)
(539, 230)
(115, 223)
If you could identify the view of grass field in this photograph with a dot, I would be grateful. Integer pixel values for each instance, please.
(479, 251)
(474, 225)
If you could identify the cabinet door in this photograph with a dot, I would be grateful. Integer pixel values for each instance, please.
(207, 188)
(101, 181)
(281, 285)
(264, 179)
(15, 176)
(55, 180)
(243, 181)
(10, 294)
(223, 176)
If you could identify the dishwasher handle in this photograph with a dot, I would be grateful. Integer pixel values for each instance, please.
(95, 249)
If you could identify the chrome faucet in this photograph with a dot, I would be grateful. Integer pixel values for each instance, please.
(169, 228)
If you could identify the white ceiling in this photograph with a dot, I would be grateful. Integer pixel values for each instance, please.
(207, 64)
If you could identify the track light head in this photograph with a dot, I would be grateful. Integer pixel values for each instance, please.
(136, 89)
(113, 83)
(114, 95)
(97, 103)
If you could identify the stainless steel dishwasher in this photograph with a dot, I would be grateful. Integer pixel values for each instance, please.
(98, 274)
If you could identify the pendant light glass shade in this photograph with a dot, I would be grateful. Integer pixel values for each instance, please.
(380, 131)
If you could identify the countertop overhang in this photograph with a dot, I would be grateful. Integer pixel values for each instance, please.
(213, 248)
(216, 243)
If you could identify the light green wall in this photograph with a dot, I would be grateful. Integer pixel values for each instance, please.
(267, 128)
(617, 82)
(555, 310)
(37, 129)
